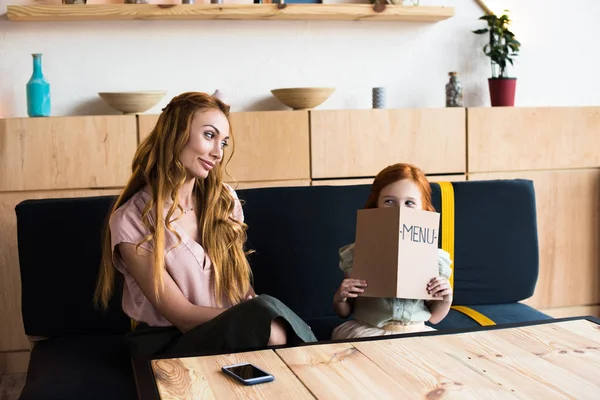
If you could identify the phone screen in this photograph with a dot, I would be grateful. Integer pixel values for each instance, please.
(247, 371)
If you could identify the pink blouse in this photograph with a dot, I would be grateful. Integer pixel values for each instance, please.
(188, 264)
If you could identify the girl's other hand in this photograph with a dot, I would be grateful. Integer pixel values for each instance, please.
(440, 287)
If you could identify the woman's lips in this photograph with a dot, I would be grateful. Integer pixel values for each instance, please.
(207, 164)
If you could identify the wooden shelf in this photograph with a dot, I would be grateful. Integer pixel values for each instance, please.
(340, 12)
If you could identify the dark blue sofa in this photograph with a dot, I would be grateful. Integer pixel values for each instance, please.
(295, 231)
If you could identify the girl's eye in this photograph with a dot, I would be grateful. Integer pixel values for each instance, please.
(389, 201)
(410, 203)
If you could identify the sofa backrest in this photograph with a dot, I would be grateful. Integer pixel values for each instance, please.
(59, 242)
(496, 253)
(296, 233)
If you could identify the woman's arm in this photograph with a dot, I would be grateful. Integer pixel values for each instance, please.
(173, 305)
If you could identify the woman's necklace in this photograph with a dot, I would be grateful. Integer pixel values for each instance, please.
(190, 208)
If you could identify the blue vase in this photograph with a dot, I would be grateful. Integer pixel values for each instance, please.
(38, 91)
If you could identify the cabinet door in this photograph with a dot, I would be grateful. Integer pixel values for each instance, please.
(360, 143)
(66, 152)
(533, 138)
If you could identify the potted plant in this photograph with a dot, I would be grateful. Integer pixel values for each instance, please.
(501, 49)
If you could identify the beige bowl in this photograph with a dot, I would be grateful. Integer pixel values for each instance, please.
(302, 98)
(132, 102)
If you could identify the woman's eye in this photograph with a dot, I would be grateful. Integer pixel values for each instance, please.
(209, 134)
(224, 144)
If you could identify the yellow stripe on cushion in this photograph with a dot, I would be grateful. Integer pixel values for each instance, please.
(476, 315)
(448, 223)
(447, 191)
(133, 324)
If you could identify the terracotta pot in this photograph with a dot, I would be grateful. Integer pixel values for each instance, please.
(502, 91)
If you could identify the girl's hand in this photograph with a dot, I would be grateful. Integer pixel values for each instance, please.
(350, 288)
(440, 287)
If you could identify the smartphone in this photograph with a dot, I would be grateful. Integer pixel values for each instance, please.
(247, 373)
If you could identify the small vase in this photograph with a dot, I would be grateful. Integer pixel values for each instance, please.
(378, 97)
(454, 92)
(38, 91)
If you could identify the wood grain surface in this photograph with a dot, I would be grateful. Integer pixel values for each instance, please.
(559, 360)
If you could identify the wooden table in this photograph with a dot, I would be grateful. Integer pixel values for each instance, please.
(554, 359)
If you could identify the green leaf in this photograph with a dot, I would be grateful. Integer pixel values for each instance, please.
(502, 45)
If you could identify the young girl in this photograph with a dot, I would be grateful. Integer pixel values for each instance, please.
(176, 238)
(399, 185)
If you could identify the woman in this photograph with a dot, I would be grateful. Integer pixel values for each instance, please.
(186, 280)
(399, 185)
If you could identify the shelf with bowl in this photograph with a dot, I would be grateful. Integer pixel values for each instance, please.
(340, 12)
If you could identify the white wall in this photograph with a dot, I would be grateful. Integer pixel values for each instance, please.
(559, 63)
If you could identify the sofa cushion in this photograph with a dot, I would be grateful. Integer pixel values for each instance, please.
(81, 367)
(499, 313)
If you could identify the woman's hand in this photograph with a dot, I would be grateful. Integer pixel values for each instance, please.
(251, 294)
(350, 288)
(440, 287)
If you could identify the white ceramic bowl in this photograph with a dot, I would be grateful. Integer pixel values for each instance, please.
(132, 102)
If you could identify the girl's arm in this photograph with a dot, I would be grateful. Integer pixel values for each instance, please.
(439, 286)
(343, 299)
(173, 305)
(439, 309)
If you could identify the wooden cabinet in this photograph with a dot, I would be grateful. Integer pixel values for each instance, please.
(360, 143)
(66, 152)
(530, 138)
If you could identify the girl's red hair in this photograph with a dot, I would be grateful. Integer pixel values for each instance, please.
(398, 172)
